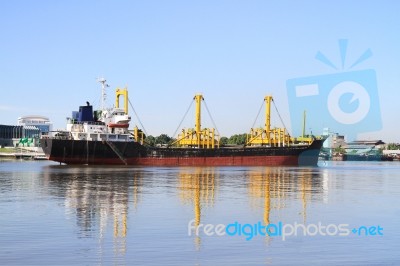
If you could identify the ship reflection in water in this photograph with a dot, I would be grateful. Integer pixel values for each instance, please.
(197, 186)
(269, 189)
(277, 188)
(99, 199)
(140, 215)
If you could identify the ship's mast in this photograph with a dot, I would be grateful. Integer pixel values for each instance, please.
(304, 124)
(268, 100)
(198, 98)
(104, 85)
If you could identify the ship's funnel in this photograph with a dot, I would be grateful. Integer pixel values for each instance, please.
(85, 114)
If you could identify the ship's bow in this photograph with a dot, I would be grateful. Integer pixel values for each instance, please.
(309, 157)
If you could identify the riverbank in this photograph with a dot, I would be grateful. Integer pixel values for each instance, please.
(32, 153)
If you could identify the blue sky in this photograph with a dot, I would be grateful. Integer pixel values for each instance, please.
(234, 52)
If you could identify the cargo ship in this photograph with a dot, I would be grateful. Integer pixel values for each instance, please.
(102, 137)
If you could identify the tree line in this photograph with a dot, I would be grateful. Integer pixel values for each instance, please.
(393, 146)
(164, 139)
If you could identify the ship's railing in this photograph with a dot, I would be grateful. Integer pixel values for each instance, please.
(116, 137)
(57, 135)
(74, 122)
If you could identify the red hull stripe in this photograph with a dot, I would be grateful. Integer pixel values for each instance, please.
(191, 161)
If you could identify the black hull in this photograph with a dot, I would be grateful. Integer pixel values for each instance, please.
(132, 153)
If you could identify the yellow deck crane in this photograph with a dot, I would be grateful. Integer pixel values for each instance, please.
(267, 136)
(198, 137)
(274, 137)
(137, 133)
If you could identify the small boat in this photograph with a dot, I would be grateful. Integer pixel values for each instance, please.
(39, 157)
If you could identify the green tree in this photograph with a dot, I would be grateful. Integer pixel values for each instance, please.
(339, 149)
(393, 146)
(238, 139)
(150, 140)
(163, 139)
(223, 141)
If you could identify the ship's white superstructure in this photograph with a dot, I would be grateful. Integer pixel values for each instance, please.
(108, 124)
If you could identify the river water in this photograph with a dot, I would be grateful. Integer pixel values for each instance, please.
(340, 213)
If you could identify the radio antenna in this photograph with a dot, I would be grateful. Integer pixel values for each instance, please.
(104, 85)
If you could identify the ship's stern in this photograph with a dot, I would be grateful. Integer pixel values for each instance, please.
(46, 143)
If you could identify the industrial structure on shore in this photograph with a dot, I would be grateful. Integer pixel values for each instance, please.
(336, 148)
(26, 133)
